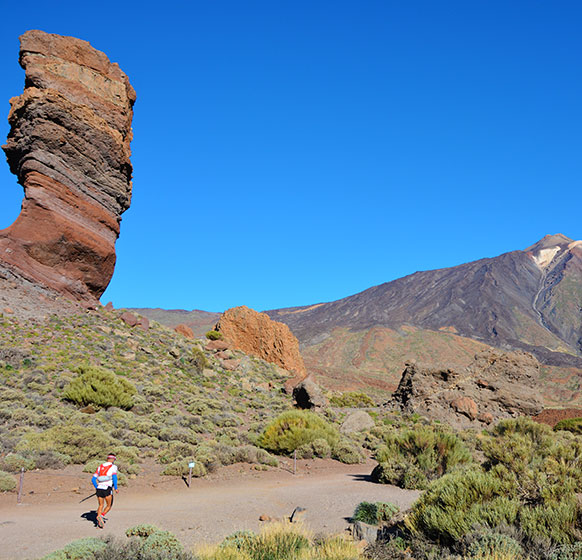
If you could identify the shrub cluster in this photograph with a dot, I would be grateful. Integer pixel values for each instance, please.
(529, 481)
(296, 428)
(101, 387)
(412, 457)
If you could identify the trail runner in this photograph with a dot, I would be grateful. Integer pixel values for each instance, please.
(105, 481)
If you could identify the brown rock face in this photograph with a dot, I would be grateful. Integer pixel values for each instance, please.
(496, 385)
(255, 333)
(69, 146)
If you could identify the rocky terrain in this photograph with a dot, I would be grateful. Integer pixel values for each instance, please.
(69, 146)
(495, 385)
(528, 300)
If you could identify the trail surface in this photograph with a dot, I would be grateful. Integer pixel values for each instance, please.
(208, 511)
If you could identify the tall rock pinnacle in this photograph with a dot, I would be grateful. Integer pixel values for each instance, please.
(69, 146)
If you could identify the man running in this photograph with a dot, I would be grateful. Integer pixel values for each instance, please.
(105, 480)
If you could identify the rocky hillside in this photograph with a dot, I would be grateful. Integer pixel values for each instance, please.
(199, 321)
(529, 300)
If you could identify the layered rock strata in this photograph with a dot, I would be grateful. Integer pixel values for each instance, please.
(257, 334)
(69, 146)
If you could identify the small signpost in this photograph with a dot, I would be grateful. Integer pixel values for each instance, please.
(295, 461)
(190, 467)
(19, 497)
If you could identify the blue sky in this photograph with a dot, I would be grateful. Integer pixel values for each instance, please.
(292, 152)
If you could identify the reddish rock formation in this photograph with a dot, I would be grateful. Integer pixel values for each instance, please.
(184, 330)
(69, 145)
(257, 334)
(496, 385)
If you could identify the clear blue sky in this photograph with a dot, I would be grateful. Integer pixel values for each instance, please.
(292, 152)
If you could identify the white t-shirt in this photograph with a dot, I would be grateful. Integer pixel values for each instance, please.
(106, 472)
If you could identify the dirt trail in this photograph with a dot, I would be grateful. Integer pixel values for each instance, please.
(207, 512)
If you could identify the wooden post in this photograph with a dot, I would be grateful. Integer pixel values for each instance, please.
(20, 485)
(295, 461)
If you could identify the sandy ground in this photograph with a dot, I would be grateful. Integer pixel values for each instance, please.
(232, 499)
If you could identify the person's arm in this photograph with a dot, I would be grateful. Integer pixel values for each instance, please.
(114, 479)
(94, 480)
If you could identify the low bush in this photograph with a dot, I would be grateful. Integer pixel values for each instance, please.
(214, 335)
(82, 549)
(101, 387)
(294, 428)
(347, 452)
(573, 425)
(412, 457)
(144, 530)
(13, 462)
(80, 443)
(351, 399)
(375, 513)
(7, 482)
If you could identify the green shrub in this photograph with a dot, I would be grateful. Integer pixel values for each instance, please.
(374, 513)
(295, 428)
(214, 335)
(197, 362)
(101, 387)
(412, 457)
(81, 549)
(162, 542)
(529, 481)
(13, 462)
(351, 399)
(347, 452)
(7, 482)
(573, 425)
(494, 546)
(144, 530)
(77, 442)
(568, 552)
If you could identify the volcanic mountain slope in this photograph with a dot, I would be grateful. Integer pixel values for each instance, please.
(530, 299)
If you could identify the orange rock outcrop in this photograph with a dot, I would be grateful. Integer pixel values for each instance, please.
(257, 334)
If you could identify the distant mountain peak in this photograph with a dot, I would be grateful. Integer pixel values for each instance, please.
(546, 249)
(549, 241)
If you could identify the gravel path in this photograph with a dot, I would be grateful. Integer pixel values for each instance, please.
(207, 512)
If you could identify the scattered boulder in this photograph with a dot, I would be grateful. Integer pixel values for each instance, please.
(466, 406)
(307, 394)
(363, 532)
(230, 365)
(257, 334)
(129, 319)
(357, 421)
(144, 323)
(109, 306)
(495, 385)
(69, 145)
(217, 346)
(184, 330)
